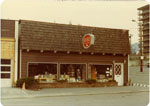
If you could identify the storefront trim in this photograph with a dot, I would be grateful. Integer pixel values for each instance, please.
(20, 62)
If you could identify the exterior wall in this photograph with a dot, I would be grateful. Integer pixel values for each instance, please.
(144, 19)
(8, 52)
(71, 58)
(8, 43)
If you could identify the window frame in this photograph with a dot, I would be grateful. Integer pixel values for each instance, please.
(42, 63)
(86, 64)
(6, 65)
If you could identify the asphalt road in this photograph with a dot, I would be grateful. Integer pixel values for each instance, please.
(123, 99)
(139, 77)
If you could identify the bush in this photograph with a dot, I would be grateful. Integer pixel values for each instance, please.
(28, 82)
(91, 81)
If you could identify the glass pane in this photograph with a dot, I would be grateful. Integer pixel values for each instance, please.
(73, 72)
(42, 69)
(5, 75)
(101, 73)
(5, 61)
(5, 68)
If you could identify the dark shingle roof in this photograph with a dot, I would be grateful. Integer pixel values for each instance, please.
(62, 37)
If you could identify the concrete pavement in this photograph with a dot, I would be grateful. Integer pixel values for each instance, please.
(139, 77)
(7, 93)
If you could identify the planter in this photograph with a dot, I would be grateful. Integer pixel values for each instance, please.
(76, 85)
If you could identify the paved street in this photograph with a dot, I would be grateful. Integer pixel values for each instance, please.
(119, 99)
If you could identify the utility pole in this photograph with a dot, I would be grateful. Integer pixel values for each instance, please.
(141, 48)
(141, 45)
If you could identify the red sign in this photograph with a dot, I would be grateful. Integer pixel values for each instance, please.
(86, 41)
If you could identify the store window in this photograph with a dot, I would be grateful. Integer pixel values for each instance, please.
(5, 68)
(101, 73)
(45, 71)
(73, 72)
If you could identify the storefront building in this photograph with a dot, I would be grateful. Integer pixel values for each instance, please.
(72, 52)
(8, 45)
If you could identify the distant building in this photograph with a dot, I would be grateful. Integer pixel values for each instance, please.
(8, 55)
(144, 20)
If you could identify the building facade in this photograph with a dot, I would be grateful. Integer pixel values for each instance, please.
(72, 52)
(144, 22)
(8, 56)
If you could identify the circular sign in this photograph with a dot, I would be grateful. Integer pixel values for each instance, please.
(87, 40)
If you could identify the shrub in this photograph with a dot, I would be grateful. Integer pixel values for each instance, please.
(28, 82)
(91, 81)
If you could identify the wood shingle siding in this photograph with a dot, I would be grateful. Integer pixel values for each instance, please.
(7, 28)
(62, 37)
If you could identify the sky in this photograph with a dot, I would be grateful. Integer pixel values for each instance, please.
(108, 14)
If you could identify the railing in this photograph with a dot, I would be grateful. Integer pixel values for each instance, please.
(143, 12)
(145, 44)
(145, 39)
(143, 18)
(146, 50)
(145, 28)
(144, 34)
(146, 23)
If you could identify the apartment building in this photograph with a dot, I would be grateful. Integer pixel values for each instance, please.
(144, 22)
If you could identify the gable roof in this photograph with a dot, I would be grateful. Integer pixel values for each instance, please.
(36, 35)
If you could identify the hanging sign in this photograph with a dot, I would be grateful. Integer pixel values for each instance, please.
(88, 40)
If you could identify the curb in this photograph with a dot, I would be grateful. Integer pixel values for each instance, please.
(71, 94)
(140, 85)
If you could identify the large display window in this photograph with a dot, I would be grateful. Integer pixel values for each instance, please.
(101, 73)
(44, 71)
(73, 72)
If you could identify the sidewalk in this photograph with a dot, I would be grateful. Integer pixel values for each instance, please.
(7, 93)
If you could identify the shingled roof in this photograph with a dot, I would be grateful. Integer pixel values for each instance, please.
(36, 35)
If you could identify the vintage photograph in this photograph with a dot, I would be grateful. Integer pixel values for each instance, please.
(74, 53)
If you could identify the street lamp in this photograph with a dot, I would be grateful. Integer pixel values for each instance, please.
(141, 45)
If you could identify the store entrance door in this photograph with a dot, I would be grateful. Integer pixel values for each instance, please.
(118, 72)
(6, 79)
